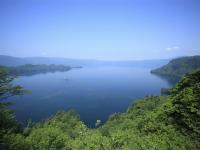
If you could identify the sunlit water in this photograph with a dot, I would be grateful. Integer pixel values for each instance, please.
(95, 93)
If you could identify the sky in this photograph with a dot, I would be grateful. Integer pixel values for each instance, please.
(100, 29)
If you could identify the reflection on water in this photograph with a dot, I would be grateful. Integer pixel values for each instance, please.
(95, 93)
(172, 80)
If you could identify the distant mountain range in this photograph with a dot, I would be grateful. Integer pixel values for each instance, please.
(16, 61)
(179, 66)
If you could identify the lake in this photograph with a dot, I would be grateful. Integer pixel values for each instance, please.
(94, 92)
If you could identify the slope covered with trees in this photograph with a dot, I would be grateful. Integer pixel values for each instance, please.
(179, 67)
(154, 122)
(30, 69)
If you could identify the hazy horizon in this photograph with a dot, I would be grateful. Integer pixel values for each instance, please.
(101, 30)
(93, 58)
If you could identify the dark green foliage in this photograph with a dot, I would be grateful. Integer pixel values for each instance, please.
(185, 101)
(7, 121)
(179, 67)
(9, 127)
(30, 69)
(187, 81)
(7, 89)
(14, 141)
(165, 91)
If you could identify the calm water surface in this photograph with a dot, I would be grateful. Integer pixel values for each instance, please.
(95, 93)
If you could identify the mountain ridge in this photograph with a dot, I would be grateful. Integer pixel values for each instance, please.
(179, 66)
(6, 60)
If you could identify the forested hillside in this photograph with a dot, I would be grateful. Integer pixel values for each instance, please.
(179, 67)
(154, 122)
(30, 69)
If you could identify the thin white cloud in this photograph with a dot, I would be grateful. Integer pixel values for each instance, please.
(172, 48)
(168, 49)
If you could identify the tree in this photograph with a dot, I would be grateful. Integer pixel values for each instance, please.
(8, 124)
(6, 88)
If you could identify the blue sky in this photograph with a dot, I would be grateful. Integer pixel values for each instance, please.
(100, 29)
